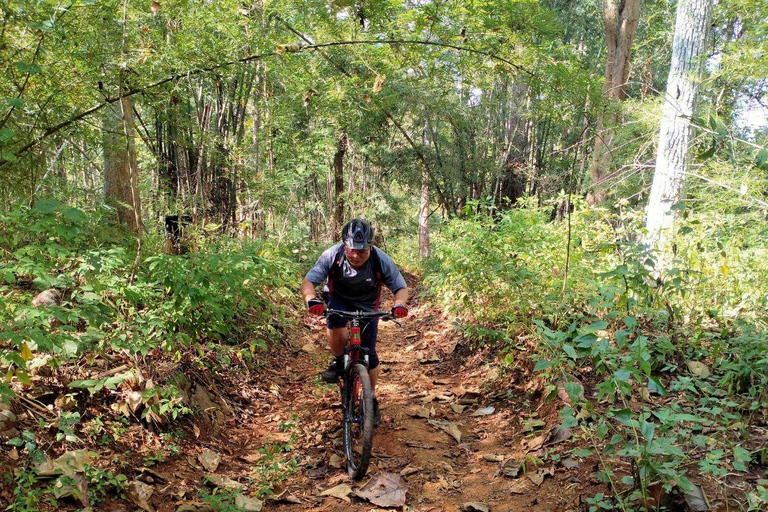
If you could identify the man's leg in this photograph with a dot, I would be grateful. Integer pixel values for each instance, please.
(337, 338)
(369, 333)
(374, 377)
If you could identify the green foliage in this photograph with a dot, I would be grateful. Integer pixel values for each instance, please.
(636, 331)
(494, 271)
(29, 444)
(219, 500)
(27, 495)
(164, 402)
(104, 483)
(276, 464)
(223, 294)
(67, 420)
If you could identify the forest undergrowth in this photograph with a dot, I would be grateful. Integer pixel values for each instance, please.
(664, 373)
(661, 378)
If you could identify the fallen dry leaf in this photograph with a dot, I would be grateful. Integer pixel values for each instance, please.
(385, 490)
(520, 486)
(569, 463)
(458, 409)
(74, 461)
(699, 369)
(476, 506)
(341, 492)
(223, 482)
(65, 402)
(248, 504)
(428, 359)
(284, 497)
(139, 493)
(449, 427)
(540, 474)
(535, 443)
(409, 470)
(560, 434)
(485, 411)
(72, 485)
(472, 392)
(429, 397)
(335, 461)
(210, 460)
(419, 412)
(511, 468)
(696, 499)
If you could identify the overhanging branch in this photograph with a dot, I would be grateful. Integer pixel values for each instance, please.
(281, 50)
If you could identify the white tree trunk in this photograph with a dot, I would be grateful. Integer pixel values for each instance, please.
(424, 215)
(688, 52)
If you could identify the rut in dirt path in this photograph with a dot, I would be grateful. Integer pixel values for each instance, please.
(455, 432)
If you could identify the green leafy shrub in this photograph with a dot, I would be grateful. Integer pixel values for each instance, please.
(110, 300)
(490, 270)
(673, 355)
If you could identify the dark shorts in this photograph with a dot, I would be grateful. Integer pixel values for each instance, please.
(369, 329)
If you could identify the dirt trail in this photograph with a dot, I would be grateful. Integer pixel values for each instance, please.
(427, 388)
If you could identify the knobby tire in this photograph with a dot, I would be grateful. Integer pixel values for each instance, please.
(358, 422)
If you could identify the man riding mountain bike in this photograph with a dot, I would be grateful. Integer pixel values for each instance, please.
(356, 271)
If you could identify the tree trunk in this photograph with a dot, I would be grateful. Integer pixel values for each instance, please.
(688, 52)
(424, 215)
(120, 169)
(621, 18)
(514, 176)
(338, 182)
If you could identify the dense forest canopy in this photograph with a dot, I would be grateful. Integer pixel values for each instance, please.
(249, 100)
(581, 188)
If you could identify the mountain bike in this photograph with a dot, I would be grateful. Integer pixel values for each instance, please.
(357, 393)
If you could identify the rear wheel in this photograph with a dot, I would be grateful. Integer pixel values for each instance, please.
(358, 422)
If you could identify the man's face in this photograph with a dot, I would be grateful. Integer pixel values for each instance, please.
(357, 257)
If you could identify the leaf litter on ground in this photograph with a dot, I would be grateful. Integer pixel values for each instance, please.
(475, 506)
(421, 412)
(210, 460)
(448, 427)
(538, 476)
(341, 492)
(385, 490)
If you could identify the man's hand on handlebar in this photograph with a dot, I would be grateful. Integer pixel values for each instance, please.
(316, 306)
(399, 311)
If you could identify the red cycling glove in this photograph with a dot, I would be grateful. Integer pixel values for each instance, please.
(316, 306)
(399, 311)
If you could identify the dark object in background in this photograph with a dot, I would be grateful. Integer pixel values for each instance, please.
(175, 243)
(561, 210)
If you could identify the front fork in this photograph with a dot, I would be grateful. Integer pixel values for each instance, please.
(354, 353)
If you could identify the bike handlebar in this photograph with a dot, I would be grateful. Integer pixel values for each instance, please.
(384, 315)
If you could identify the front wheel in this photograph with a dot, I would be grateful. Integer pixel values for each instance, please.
(358, 422)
